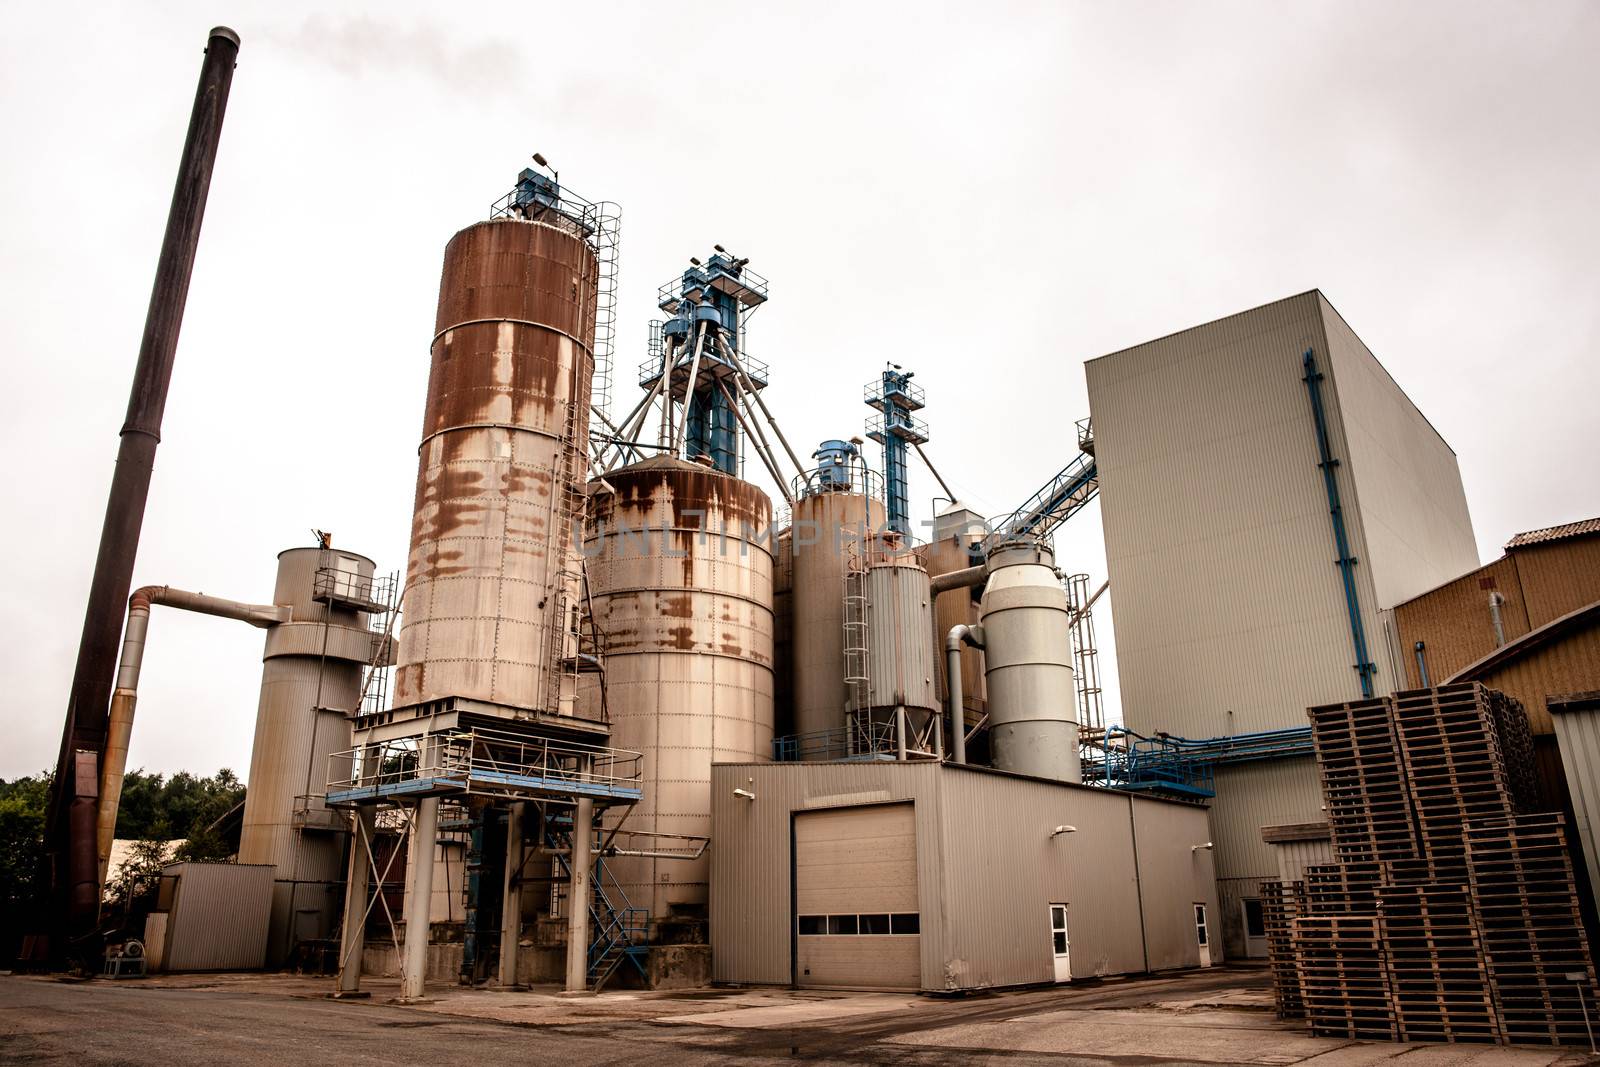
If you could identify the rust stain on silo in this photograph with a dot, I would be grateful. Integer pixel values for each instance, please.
(505, 439)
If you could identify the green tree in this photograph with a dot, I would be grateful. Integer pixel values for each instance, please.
(23, 804)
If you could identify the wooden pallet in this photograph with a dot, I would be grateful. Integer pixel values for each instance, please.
(1437, 977)
(1281, 904)
(1363, 781)
(1531, 927)
(1344, 981)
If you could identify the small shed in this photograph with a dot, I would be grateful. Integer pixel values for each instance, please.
(211, 917)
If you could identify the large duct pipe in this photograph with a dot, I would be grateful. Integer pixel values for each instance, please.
(1495, 600)
(114, 764)
(962, 579)
(958, 635)
(72, 828)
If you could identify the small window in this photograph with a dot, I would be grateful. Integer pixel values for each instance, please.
(841, 924)
(1061, 942)
(909, 923)
(1200, 925)
(813, 924)
(875, 924)
(1255, 923)
(1058, 915)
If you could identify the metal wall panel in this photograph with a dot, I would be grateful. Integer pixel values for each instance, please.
(1295, 856)
(219, 917)
(987, 870)
(1229, 616)
(1558, 577)
(1454, 624)
(751, 855)
(1250, 796)
(1578, 734)
(1407, 496)
(1569, 664)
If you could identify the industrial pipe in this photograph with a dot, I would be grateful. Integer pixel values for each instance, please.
(1422, 665)
(114, 764)
(962, 579)
(959, 634)
(1495, 600)
(71, 830)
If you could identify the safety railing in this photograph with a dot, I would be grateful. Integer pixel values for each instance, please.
(481, 761)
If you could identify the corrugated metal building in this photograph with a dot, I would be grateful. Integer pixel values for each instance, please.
(1231, 614)
(1466, 625)
(211, 917)
(944, 877)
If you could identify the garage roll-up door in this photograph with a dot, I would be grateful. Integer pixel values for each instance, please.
(857, 923)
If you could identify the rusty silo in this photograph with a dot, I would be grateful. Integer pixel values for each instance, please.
(680, 573)
(502, 465)
(834, 523)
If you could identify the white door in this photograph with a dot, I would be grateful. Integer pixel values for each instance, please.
(1255, 929)
(857, 925)
(1060, 944)
(1202, 934)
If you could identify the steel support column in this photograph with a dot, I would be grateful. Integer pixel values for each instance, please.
(419, 898)
(511, 897)
(578, 896)
(353, 937)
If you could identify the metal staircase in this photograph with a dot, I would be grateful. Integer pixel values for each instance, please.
(617, 929)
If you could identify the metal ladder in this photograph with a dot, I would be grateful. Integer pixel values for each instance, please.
(857, 654)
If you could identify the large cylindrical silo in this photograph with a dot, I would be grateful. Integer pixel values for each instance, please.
(310, 683)
(502, 466)
(1028, 664)
(679, 564)
(830, 530)
(900, 672)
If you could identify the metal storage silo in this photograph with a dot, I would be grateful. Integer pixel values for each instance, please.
(502, 465)
(310, 683)
(900, 671)
(1028, 664)
(829, 526)
(680, 577)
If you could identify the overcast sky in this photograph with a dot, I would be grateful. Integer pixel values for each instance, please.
(989, 194)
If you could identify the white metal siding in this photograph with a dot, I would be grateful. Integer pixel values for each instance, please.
(1408, 498)
(1295, 856)
(854, 861)
(219, 918)
(1578, 735)
(1229, 613)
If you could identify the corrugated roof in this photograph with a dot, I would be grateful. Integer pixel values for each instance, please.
(1556, 533)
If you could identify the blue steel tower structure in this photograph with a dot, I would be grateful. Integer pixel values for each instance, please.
(896, 428)
(698, 360)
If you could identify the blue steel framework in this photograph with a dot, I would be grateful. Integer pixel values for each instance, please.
(701, 355)
(1180, 767)
(895, 427)
(1057, 500)
(1346, 562)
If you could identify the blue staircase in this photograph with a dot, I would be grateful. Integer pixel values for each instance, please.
(617, 929)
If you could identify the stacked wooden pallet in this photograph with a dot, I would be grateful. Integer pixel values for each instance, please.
(1342, 888)
(1281, 904)
(1516, 745)
(1344, 979)
(1435, 963)
(1363, 782)
(1532, 932)
(1450, 745)
(1449, 916)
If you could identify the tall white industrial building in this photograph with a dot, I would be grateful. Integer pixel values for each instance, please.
(1235, 606)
